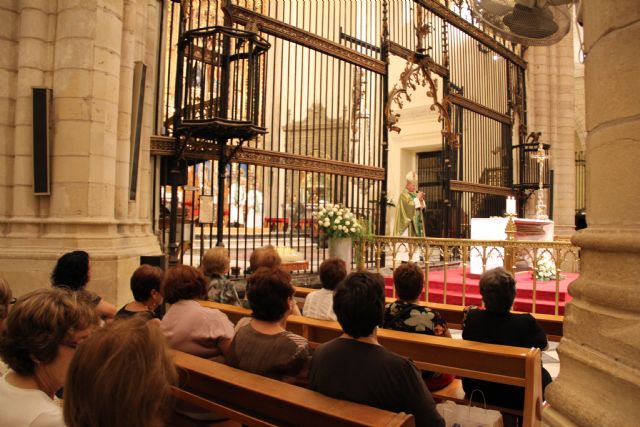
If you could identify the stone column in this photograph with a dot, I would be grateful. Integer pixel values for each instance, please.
(599, 381)
(9, 16)
(33, 61)
(79, 50)
(550, 100)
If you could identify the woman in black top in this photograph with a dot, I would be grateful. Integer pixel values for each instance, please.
(497, 325)
(148, 299)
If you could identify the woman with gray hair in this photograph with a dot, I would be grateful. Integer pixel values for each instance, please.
(42, 332)
(496, 324)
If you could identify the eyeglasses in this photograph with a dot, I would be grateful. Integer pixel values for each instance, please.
(72, 345)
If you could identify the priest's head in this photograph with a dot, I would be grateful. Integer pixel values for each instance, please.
(412, 181)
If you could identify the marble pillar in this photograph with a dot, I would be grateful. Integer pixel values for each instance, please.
(85, 53)
(599, 381)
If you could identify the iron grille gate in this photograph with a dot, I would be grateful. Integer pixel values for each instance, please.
(325, 85)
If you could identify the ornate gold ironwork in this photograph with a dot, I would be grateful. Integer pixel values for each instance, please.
(477, 108)
(403, 52)
(473, 187)
(443, 12)
(417, 73)
(304, 38)
(196, 149)
(459, 251)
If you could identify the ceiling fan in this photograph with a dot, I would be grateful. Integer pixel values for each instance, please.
(527, 22)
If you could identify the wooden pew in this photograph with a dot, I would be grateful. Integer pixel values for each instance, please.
(502, 364)
(452, 314)
(254, 400)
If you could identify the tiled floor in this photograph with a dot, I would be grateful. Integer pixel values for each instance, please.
(549, 357)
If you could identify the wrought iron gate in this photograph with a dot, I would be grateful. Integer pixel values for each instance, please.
(324, 82)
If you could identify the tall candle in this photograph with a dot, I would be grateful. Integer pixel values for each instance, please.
(511, 205)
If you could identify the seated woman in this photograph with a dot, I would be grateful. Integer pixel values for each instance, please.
(122, 376)
(73, 271)
(497, 325)
(215, 265)
(356, 367)
(319, 304)
(42, 332)
(405, 314)
(189, 327)
(262, 345)
(6, 300)
(147, 300)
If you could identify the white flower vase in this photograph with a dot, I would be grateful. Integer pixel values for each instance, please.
(342, 247)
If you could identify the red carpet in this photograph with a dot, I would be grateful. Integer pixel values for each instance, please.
(545, 290)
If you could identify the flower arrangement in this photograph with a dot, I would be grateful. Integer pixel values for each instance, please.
(545, 268)
(337, 221)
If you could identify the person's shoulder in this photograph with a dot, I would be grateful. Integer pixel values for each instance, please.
(525, 319)
(51, 418)
(296, 339)
(313, 295)
(395, 360)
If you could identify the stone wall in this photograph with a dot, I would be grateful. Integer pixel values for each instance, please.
(84, 51)
(599, 381)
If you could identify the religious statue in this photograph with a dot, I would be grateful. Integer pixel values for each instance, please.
(254, 207)
(409, 219)
(238, 201)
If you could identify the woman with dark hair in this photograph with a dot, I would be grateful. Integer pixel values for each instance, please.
(147, 298)
(120, 376)
(262, 345)
(356, 367)
(319, 304)
(188, 326)
(405, 314)
(6, 300)
(73, 271)
(496, 324)
(42, 332)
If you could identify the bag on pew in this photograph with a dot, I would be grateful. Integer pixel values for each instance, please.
(469, 416)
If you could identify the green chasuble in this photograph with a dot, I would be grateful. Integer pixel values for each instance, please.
(408, 216)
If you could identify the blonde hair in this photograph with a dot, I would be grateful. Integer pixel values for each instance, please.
(120, 376)
(5, 298)
(38, 323)
(215, 261)
(266, 256)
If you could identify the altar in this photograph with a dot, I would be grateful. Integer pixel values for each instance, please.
(494, 229)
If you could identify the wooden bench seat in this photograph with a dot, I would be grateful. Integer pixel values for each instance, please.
(254, 400)
(502, 364)
(452, 314)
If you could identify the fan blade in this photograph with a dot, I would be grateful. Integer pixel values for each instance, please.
(534, 23)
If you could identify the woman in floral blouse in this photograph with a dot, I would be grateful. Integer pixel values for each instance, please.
(405, 314)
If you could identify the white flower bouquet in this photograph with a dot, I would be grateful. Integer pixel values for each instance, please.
(337, 221)
(546, 268)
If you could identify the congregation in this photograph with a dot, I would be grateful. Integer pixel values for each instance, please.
(66, 342)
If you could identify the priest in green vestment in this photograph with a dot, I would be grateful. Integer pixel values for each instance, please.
(409, 219)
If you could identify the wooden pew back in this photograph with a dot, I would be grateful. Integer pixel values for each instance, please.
(254, 400)
(453, 314)
(502, 364)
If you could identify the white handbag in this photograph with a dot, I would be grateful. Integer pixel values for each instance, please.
(469, 416)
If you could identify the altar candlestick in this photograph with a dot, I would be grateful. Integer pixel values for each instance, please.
(511, 205)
